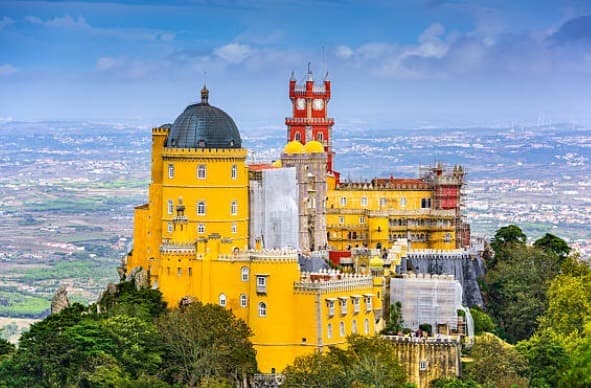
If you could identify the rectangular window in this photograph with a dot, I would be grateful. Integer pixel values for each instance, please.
(330, 305)
(343, 303)
(190, 271)
(243, 300)
(363, 201)
(201, 171)
(234, 171)
(368, 303)
(261, 284)
(343, 201)
(356, 304)
(171, 171)
(179, 271)
(234, 228)
(201, 228)
(362, 220)
(383, 202)
(403, 202)
(422, 365)
(169, 227)
(170, 207)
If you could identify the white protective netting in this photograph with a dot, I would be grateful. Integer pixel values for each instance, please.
(274, 209)
(429, 299)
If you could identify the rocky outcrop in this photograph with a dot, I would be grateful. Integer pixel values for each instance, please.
(60, 300)
(139, 277)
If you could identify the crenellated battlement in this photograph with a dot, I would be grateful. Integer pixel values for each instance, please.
(209, 153)
(160, 131)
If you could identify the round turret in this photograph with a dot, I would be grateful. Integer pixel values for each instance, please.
(204, 126)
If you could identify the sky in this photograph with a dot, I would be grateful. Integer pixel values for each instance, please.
(393, 64)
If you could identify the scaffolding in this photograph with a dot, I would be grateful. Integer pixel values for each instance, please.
(431, 299)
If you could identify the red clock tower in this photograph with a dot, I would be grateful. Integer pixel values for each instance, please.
(309, 119)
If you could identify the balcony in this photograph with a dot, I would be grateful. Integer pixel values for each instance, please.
(309, 121)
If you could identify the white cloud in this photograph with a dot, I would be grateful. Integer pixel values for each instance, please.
(343, 52)
(233, 52)
(6, 21)
(106, 63)
(7, 69)
(65, 21)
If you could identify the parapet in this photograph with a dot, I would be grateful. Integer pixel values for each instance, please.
(330, 280)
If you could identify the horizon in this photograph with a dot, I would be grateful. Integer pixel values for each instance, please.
(432, 63)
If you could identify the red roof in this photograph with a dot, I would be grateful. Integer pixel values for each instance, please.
(261, 166)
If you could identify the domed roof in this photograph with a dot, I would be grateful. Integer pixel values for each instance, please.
(293, 147)
(204, 126)
(313, 147)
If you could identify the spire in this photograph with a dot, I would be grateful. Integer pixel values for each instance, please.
(326, 77)
(204, 95)
(309, 72)
(292, 78)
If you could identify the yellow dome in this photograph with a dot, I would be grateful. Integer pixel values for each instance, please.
(277, 163)
(314, 147)
(376, 262)
(293, 147)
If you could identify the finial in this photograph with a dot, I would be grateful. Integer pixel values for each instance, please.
(292, 78)
(309, 72)
(326, 77)
(204, 95)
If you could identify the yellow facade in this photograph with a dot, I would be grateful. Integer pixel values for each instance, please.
(360, 215)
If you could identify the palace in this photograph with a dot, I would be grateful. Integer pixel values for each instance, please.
(256, 238)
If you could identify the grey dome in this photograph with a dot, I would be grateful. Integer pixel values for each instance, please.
(204, 126)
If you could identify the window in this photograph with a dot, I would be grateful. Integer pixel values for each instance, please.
(354, 327)
(190, 272)
(342, 329)
(234, 228)
(341, 220)
(362, 220)
(234, 208)
(223, 300)
(243, 300)
(343, 303)
(179, 271)
(343, 201)
(366, 326)
(425, 203)
(320, 136)
(363, 201)
(234, 171)
(171, 171)
(402, 202)
(201, 171)
(262, 309)
(244, 274)
(329, 331)
(170, 207)
(261, 284)
(201, 208)
(368, 303)
(201, 228)
(169, 228)
(383, 202)
(422, 365)
(330, 304)
(356, 304)
(298, 137)
(447, 237)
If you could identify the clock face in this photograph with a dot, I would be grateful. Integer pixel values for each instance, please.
(300, 103)
(318, 104)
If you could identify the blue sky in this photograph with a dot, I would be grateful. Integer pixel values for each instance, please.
(398, 64)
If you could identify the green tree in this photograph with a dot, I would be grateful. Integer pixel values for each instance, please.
(506, 237)
(454, 383)
(495, 363)
(482, 321)
(579, 372)
(202, 342)
(395, 322)
(367, 362)
(553, 244)
(547, 359)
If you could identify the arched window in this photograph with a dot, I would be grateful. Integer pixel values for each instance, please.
(354, 327)
(262, 309)
(244, 274)
(234, 171)
(243, 300)
(234, 208)
(170, 207)
(329, 331)
(223, 300)
(201, 207)
(366, 326)
(342, 329)
(298, 137)
(320, 136)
